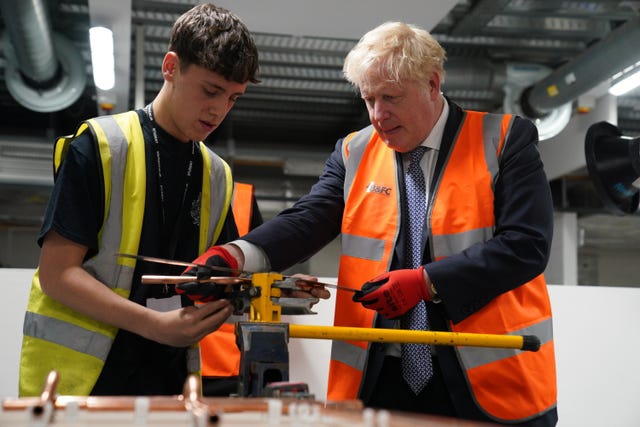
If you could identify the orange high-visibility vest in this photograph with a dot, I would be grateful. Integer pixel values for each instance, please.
(242, 206)
(508, 385)
(220, 356)
(371, 191)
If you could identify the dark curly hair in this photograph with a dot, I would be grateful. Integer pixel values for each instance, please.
(214, 38)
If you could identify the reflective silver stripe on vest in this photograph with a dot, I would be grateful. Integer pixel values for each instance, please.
(66, 334)
(349, 354)
(352, 245)
(218, 186)
(491, 132)
(473, 357)
(104, 266)
(357, 145)
(362, 247)
(450, 244)
(193, 359)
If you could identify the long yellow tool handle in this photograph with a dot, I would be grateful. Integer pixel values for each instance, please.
(345, 333)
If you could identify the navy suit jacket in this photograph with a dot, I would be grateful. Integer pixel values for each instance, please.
(467, 281)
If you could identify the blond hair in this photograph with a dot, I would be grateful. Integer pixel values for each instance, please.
(395, 51)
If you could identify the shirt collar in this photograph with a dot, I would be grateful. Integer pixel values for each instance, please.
(434, 138)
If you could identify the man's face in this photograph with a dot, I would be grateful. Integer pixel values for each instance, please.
(402, 113)
(200, 100)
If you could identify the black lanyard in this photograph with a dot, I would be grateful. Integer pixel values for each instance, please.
(174, 236)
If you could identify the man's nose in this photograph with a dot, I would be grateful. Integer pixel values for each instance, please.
(380, 113)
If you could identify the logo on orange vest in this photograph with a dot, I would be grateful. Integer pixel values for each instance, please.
(380, 189)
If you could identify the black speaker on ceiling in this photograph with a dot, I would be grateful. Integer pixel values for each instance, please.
(613, 162)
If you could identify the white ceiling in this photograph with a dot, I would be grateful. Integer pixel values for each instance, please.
(347, 19)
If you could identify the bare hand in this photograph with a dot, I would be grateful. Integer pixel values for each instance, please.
(308, 288)
(188, 325)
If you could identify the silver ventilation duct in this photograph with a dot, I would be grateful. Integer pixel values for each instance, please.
(545, 95)
(548, 101)
(44, 71)
(619, 50)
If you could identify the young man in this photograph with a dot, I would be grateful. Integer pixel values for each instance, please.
(482, 234)
(140, 182)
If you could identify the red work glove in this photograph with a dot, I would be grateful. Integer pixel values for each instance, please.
(215, 256)
(394, 293)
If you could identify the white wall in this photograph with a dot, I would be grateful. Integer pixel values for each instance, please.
(596, 335)
(14, 288)
(563, 260)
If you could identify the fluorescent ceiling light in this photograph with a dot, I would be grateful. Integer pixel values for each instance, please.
(101, 40)
(626, 84)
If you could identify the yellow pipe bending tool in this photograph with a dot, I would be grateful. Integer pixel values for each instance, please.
(263, 340)
(265, 308)
(263, 298)
(346, 333)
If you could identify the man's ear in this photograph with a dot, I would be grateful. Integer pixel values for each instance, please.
(169, 65)
(434, 84)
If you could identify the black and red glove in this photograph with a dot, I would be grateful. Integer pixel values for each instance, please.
(394, 293)
(215, 256)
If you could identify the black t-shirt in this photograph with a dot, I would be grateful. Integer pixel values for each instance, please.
(135, 365)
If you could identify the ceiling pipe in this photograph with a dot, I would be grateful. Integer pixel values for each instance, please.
(597, 64)
(545, 95)
(520, 77)
(473, 74)
(44, 71)
(549, 101)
